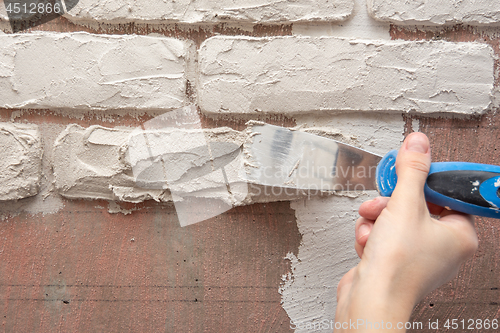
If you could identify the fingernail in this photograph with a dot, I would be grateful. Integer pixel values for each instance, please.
(363, 230)
(417, 143)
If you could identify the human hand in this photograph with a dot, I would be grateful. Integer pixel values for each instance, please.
(405, 253)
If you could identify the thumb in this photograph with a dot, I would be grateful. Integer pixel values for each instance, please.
(412, 167)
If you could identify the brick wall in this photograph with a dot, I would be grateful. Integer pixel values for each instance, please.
(74, 88)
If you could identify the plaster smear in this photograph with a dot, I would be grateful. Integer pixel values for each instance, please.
(21, 161)
(436, 12)
(96, 163)
(327, 252)
(375, 132)
(290, 75)
(189, 161)
(206, 11)
(47, 201)
(93, 72)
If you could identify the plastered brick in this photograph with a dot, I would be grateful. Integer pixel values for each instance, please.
(193, 11)
(85, 71)
(290, 75)
(21, 161)
(90, 163)
(436, 12)
(124, 164)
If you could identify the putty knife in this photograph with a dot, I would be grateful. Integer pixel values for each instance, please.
(281, 157)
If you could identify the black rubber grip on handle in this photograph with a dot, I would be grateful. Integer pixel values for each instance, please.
(461, 185)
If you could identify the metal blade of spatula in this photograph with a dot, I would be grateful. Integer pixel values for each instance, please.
(278, 156)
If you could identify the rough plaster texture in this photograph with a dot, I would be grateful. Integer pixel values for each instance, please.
(21, 162)
(85, 71)
(436, 12)
(327, 252)
(123, 164)
(94, 163)
(47, 201)
(375, 132)
(201, 163)
(89, 163)
(192, 11)
(290, 75)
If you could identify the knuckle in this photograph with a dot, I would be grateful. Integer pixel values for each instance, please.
(418, 166)
(409, 162)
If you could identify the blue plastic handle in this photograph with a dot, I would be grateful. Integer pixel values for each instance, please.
(470, 188)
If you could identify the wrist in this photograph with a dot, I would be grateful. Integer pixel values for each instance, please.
(377, 298)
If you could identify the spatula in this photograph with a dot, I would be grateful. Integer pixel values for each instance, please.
(281, 157)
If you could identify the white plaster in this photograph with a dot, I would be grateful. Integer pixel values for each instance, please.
(85, 71)
(292, 75)
(114, 208)
(95, 163)
(20, 165)
(96, 169)
(206, 11)
(358, 25)
(375, 132)
(436, 12)
(327, 252)
(47, 201)
(188, 161)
